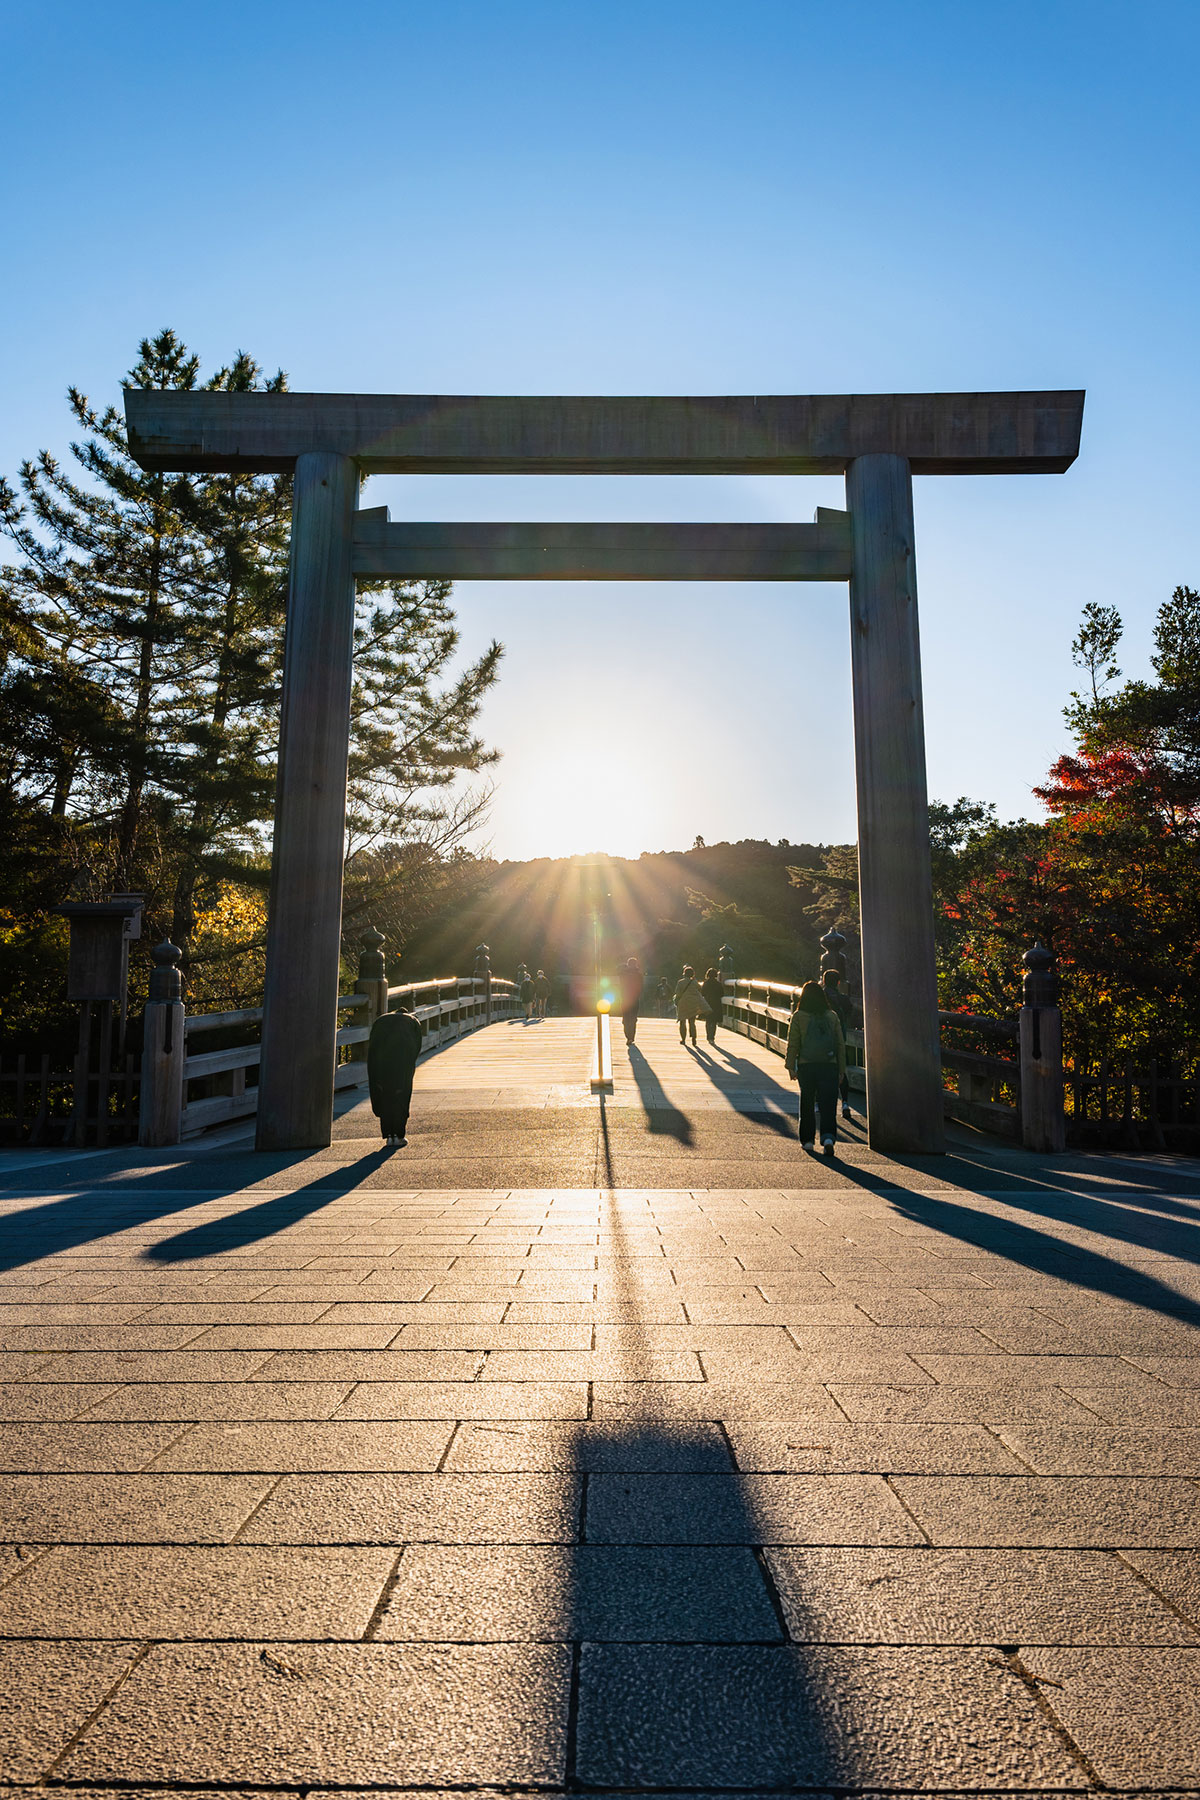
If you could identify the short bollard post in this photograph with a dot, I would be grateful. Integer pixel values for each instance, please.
(164, 1052)
(372, 981)
(1043, 1120)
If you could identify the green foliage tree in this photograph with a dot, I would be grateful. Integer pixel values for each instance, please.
(141, 642)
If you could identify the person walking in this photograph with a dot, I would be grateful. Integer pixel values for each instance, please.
(690, 1003)
(816, 1058)
(541, 993)
(831, 982)
(632, 983)
(526, 995)
(662, 995)
(393, 1047)
(713, 989)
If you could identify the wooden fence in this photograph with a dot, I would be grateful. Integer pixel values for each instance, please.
(1112, 1105)
(41, 1105)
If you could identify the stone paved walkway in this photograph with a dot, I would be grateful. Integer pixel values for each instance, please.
(885, 1478)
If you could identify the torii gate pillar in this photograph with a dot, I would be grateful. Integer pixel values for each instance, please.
(900, 1003)
(304, 932)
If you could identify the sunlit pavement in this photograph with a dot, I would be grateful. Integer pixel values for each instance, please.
(377, 1469)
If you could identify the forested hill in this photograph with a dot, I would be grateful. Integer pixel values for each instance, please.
(666, 908)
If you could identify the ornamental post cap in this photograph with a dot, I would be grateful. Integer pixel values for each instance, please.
(165, 983)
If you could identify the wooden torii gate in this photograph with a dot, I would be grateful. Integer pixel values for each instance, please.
(878, 441)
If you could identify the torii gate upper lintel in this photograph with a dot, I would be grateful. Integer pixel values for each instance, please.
(878, 441)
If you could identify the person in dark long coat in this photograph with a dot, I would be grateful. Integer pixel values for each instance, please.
(632, 983)
(392, 1051)
(713, 989)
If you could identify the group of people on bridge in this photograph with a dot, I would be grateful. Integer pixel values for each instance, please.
(815, 1054)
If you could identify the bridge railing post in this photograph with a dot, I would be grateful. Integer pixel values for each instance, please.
(1043, 1114)
(164, 1052)
(372, 981)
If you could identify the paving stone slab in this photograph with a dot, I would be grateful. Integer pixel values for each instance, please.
(267, 1336)
(793, 1717)
(1135, 1714)
(198, 1400)
(1101, 1450)
(597, 1592)
(935, 1596)
(345, 1714)
(1176, 1371)
(127, 1509)
(750, 1509)
(94, 1312)
(151, 1366)
(47, 1401)
(399, 1509)
(710, 1400)
(605, 1365)
(1000, 1370)
(937, 1404)
(466, 1400)
(787, 1447)
(1175, 1574)
(157, 1592)
(596, 1446)
(50, 1690)
(226, 1312)
(1100, 1511)
(370, 1365)
(417, 1335)
(48, 1448)
(283, 1447)
(87, 1338)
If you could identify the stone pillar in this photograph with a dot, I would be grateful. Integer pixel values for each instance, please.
(299, 1053)
(1043, 1117)
(164, 1052)
(900, 1006)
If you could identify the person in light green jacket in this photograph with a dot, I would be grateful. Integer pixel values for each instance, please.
(816, 1058)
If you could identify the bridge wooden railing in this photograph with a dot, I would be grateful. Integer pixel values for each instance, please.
(762, 1010)
(186, 1090)
(999, 1075)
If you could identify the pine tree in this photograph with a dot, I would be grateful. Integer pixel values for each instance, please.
(141, 645)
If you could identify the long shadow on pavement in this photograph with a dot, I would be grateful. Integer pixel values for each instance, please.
(662, 1115)
(1041, 1250)
(696, 1669)
(70, 1221)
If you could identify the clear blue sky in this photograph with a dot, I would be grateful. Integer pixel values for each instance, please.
(501, 196)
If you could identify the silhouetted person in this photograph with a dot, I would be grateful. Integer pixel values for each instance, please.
(632, 983)
(713, 989)
(541, 993)
(526, 995)
(662, 995)
(816, 1057)
(831, 983)
(690, 1003)
(392, 1051)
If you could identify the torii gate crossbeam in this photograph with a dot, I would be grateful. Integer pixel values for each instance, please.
(879, 441)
